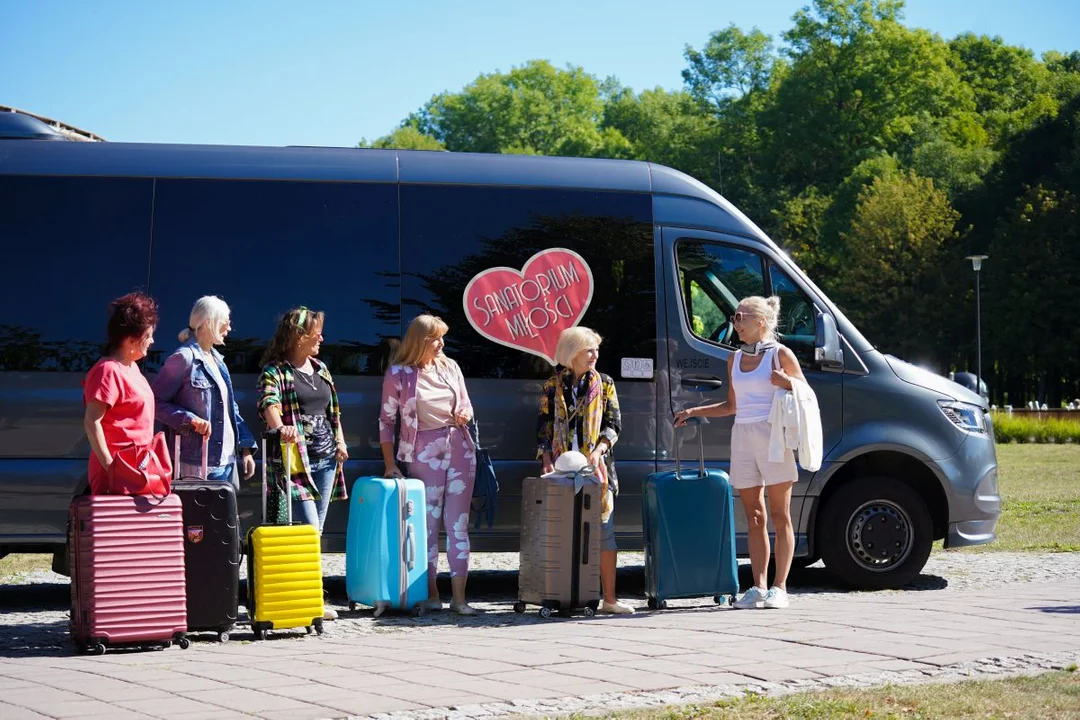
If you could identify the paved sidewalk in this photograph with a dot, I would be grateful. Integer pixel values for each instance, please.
(477, 669)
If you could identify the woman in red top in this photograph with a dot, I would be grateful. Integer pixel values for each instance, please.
(119, 401)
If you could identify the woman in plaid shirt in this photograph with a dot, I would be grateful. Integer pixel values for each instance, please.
(297, 396)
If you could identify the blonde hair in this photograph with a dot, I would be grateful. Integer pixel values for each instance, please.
(766, 308)
(572, 341)
(421, 329)
(211, 311)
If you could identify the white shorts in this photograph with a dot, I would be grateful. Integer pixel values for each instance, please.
(750, 466)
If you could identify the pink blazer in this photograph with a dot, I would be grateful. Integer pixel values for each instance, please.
(399, 400)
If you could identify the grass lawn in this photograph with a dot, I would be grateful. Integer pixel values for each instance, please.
(1040, 490)
(21, 563)
(1051, 695)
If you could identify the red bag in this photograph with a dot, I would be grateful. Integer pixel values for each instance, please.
(141, 470)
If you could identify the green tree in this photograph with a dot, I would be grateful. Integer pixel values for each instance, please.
(893, 277)
(406, 137)
(859, 81)
(732, 65)
(535, 109)
(1012, 89)
(669, 128)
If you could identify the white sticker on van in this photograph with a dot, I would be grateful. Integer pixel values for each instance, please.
(527, 309)
(641, 368)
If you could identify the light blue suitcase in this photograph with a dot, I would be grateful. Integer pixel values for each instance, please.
(688, 523)
(386, 545)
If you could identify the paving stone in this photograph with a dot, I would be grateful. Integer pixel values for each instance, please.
(13, 712)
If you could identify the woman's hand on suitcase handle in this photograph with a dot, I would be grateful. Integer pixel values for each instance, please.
(200, 426)
(546, 463)
(393, 471)
(461, 418)
(287, 433)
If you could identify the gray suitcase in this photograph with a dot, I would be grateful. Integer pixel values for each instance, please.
(559, 566)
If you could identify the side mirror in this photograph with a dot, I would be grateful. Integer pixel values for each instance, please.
(827, 350)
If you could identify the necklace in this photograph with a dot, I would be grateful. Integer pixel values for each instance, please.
(308, 378)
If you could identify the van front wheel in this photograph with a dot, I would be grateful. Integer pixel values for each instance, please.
(875, 534)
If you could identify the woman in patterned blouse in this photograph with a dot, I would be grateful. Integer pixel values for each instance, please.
(425, 408)
(579, 410)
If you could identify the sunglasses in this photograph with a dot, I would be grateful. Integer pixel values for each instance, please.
(743, 317)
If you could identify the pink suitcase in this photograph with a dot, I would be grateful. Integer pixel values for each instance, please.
(127, 572)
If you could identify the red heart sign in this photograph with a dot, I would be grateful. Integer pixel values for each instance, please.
(527, 309)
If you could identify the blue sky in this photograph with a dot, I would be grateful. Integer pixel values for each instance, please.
(329, 73)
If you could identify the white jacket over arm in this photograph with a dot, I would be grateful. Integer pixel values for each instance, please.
(796, 425)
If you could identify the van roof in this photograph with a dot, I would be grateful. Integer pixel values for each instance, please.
(340, 165)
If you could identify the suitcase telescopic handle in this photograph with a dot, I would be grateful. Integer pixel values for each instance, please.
(205, 456)
(701, 450)
(287, 462)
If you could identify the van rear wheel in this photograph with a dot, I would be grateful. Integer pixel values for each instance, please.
(875, 534)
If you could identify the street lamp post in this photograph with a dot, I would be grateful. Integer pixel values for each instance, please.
(976, 265)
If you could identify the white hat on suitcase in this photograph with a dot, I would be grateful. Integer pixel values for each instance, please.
(569, 464)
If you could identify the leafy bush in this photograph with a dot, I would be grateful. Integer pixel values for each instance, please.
(1013, 428)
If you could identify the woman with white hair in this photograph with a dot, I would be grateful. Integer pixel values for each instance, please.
(754, 374)
(194, 392)
(579, 410)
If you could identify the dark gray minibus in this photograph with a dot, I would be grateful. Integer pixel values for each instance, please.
(374, 237)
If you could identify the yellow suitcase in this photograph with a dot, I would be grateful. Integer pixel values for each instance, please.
(285, 588)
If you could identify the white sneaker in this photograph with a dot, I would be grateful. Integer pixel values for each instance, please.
(329, 613)
(432, 604)
(776, 598)
(751, 599)
(463, 608)
(616, 608)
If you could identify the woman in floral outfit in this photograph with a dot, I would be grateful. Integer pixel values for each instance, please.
(426, 407)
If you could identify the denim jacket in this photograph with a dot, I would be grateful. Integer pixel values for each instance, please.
(184, 390)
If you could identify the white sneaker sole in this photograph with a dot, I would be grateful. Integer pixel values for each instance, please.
(756, 606)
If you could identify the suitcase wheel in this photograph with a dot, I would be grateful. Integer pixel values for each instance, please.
(318, 627)
(519, 607)
(589, 612)
(418, 611)
(724, 599)
(545, 612)
(655, 604)
(223, 637)
(184, 643)
(258, 631)
(352, 607)
(96, 649)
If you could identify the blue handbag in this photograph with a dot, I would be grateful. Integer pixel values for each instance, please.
(486, 487)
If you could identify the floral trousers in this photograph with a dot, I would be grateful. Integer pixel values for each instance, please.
(446, 463)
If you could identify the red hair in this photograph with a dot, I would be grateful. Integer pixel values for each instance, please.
(130, 316)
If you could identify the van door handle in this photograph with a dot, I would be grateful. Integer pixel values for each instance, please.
(704, 383)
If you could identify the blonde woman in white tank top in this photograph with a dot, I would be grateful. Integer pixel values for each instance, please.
(754, 374)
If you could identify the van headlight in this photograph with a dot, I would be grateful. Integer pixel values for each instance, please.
(965, 416)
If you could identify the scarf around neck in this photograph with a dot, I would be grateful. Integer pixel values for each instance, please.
(588, 411)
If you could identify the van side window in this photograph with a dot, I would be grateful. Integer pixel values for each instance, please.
(71, 245)
(713, 278)
(796, 326)
(267, 246)
(449, 234)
